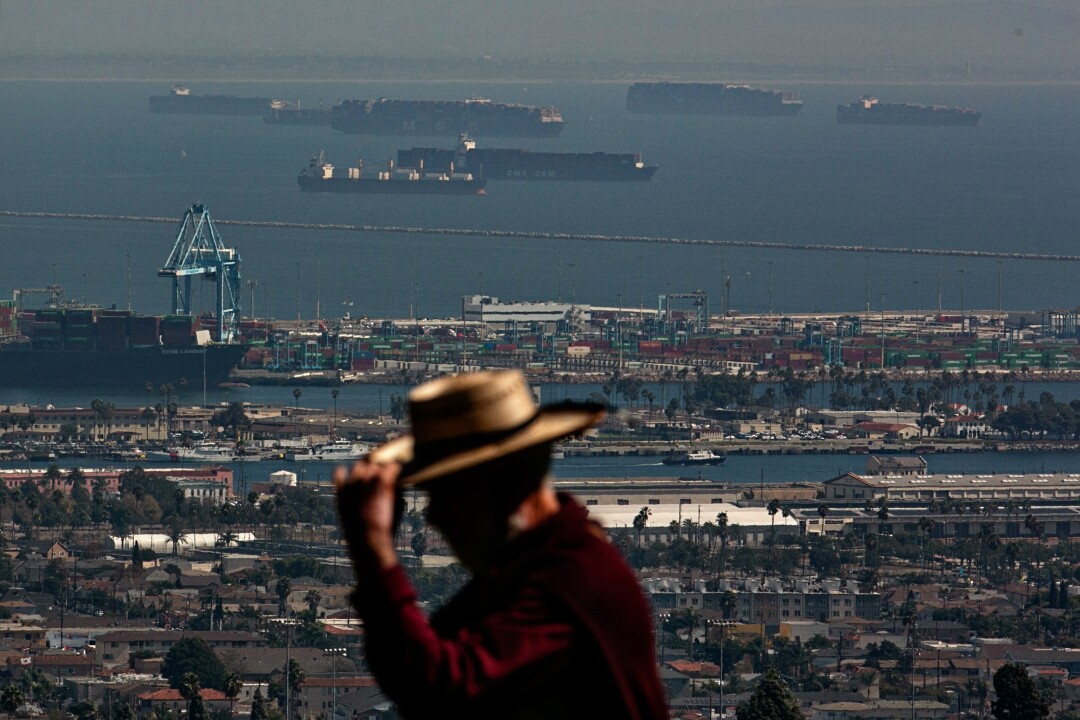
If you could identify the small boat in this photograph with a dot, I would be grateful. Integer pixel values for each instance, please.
(695, 457)
(331, 452)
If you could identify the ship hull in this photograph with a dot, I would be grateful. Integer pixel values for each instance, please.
(711, 461)
(291, 116)
(209, 105)
(520, 164)
(859, 116)
(443, 118)
(709, 99)
(392, 187)
(130, 368)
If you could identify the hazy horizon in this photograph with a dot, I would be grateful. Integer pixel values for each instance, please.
(1032, 36)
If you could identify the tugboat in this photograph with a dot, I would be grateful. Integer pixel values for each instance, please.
(695, 457)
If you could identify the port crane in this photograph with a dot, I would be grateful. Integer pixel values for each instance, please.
(55, 293)
(198, 250)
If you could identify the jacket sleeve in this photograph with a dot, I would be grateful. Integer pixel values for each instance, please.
(522, 641)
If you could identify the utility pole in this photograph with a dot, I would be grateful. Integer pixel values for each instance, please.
(883, 331)
(297, 311)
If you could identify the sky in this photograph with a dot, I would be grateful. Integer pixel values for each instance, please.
(1019, 34)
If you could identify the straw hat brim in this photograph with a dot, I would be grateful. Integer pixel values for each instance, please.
(550, 424)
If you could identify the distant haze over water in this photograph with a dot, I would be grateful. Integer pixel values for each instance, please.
(1009, 184)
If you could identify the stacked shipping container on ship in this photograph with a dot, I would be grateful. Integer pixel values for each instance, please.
(113, 328)
(7, 317)
(178, 330)
(80, 329)
(47, 330)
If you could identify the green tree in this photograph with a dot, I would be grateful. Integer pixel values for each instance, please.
(193, 655)
(258, 707)
(1017, 696)
(771, 700)
(232, 418)
(231, 686)
(11, 697)
(419, 544)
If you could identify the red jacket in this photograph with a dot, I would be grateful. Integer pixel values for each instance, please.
(559, 629)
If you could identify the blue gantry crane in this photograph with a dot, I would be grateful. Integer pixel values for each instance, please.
(198, 250)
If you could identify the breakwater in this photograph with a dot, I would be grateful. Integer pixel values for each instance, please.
(583, 237)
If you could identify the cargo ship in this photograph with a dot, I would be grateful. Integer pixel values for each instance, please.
(181, 101)
(321, 176)
(870, 111)
(522, 164)
(476, 116)
(702, 98)
(90, 347)
(283, 112)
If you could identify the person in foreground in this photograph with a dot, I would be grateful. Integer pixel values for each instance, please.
(552, 623)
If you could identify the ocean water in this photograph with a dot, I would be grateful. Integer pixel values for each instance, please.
(1009, 184)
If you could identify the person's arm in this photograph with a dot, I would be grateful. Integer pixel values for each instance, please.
(514, 649)
(365, 499)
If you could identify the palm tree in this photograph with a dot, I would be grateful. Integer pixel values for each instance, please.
(334, 394)
(296, 393)
(232, 686)
(283, 594)
(312, 598)
(641, 520)
(723, 531)
(773, 508)
(176, 536)
(11, 698)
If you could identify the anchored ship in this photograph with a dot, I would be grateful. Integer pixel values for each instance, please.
(522, 164)
(870, 111)
(477, 116)
(180, 100)
(695, 98)
(321, 176)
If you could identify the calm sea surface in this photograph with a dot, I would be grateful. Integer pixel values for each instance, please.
(1009, 184)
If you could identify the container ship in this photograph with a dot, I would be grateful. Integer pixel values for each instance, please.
(868, 110)
(91, 347)
(283, 112)
(476, 116)
(321, 176)
(181, 101)
(689, 98)
(522, 164)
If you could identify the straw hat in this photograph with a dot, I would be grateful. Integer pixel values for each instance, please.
(464, 420)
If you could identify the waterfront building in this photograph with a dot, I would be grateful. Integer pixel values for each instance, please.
(212, 482)
(991, 488)
(488, 310)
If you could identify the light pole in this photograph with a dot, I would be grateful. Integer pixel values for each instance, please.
(336, 653)
(288, 624)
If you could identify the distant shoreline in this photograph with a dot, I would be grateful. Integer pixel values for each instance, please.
(527, 80)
